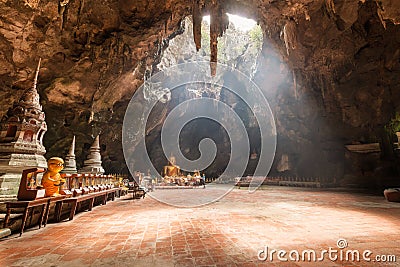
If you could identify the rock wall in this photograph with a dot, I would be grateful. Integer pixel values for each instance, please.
(340, 87)
(94, 56)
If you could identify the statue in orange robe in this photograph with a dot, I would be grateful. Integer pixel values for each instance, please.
(172, 170)
(51, 179)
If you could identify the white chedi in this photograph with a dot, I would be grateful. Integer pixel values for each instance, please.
(93, 162)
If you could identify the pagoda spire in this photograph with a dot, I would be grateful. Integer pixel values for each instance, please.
(72, 148)
(70, 162)
(37, 74)
(31, 97)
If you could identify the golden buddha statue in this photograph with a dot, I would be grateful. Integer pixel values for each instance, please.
(172, 170)
(51, 179)
(196, 174)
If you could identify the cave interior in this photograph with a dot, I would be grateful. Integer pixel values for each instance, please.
(330, 70)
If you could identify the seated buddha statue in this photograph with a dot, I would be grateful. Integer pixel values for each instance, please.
(196, 174)
(51, 179)
(172, 169)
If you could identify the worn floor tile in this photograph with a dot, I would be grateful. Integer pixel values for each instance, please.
(285, 226)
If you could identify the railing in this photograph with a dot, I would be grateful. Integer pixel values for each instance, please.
(287, 181)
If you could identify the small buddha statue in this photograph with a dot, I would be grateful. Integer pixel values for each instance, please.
(172, 169)
(51, 179)
(31, 182)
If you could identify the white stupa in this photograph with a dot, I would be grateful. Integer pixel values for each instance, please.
(93, 162)
(70, 162)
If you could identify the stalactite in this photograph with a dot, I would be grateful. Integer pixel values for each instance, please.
(289, 35)
(295, 85)
(322, 85)
(219, 22)
(81, 5)
(330, 8)
(380, 15)
(213, 41)
(197, 18)
(62, 4)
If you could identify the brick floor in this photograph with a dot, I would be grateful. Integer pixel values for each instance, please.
(229, 232)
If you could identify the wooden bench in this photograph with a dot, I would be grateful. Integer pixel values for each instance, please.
(79, 188)
(26, 205)
(137, 191)
(30, 197)
(90, 197)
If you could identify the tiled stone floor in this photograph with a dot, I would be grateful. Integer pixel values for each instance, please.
(229, 232)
